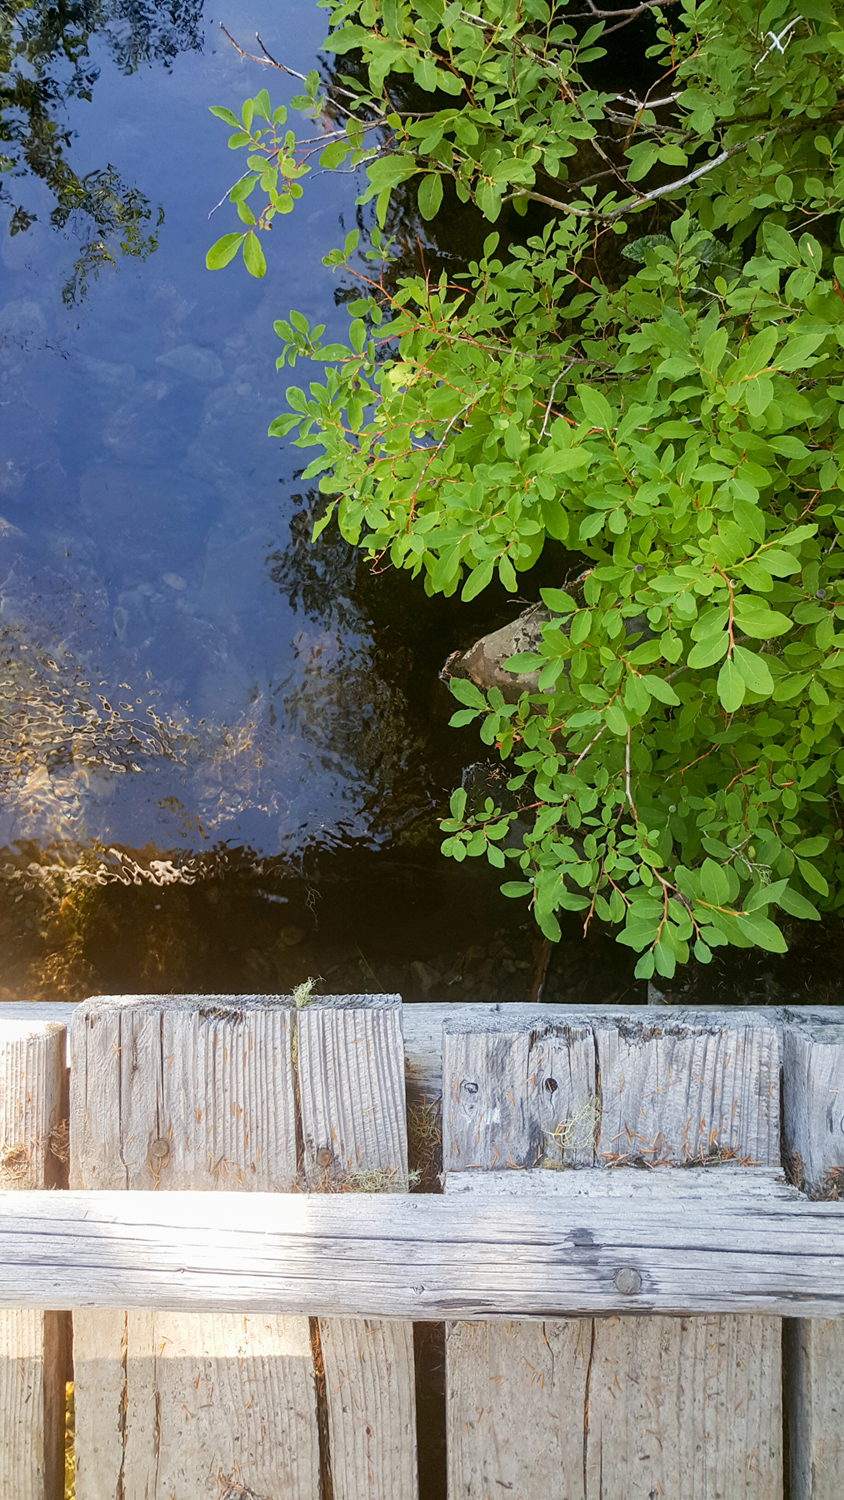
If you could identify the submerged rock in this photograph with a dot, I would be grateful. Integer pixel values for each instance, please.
(194, 362)
(22, 324)
(483, 663)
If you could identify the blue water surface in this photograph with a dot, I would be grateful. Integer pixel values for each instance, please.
(145, 513)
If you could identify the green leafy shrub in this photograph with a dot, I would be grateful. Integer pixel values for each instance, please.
(681, 761)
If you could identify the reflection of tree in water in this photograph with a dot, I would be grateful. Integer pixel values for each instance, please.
(44, 63)
(317, 580)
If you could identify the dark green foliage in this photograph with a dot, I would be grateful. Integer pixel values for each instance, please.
(681, 761)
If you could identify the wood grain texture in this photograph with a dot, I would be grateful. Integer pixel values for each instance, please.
(678, 1093)
(33, 1344)
(354, 1127)
(194, 1096)
(426, 1258)
(518, 1096)
(515, 1398)
(664, 1406)
(688, 1407)
(813, 1358)
(194, 1407)
(813, 1109)
(183, 1092)
(351, 1090)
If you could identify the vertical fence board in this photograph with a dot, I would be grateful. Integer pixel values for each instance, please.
(512, 1098)
(516, 1392)
(173, 1094)
(678, 1093)
(813, 1099)
(354, 1125)
(679, 1407)
(33, 1345)
(646, 1406)
(693, 1405)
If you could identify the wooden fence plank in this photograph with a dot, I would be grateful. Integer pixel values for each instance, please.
(700, 1405)
(189, 1094)
(514, 1097)
(669, 1093)
(697, 1248)
(813, 1098)
(354, 1126)
(681, 1093)
(33, 1344)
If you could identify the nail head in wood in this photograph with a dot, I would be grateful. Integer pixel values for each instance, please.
(627, 1281)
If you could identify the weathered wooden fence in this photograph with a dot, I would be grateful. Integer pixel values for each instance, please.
(637, 1303)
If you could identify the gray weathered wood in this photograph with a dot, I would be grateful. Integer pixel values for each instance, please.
(427, 1257)
(33, 1343)
(676, 1093)
(515, 1397)
(354, 1127)
(813, 1099)
(183, 1092)
(693, 1408)
(423, 1025)
(196, 1406)
(680, 1409)
(699, 1408)
(813, 1359)
(196, 1096)
(516, 1097)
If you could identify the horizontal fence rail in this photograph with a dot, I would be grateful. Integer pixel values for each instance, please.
(467, 1255)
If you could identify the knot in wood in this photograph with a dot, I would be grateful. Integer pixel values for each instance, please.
(159, 1149)
(627, 1281)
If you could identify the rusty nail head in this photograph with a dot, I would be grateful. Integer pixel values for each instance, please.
(627, 1281)
(159, 1149)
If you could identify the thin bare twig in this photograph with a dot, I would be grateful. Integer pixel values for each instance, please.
(627, 791)
(226, 194)
(592, 742)
(550, 399)
(457, 415)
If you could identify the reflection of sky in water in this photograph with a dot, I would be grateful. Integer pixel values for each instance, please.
(141, 500)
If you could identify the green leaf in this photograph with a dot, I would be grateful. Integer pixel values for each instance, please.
(762, 932)
(615, 720)
(558, 600)
(457, 802)
(466, 692)
(813, 878)
(334, 155)
(562, 460)
(730, 687)
(262, 105)
(709, 650)
(753, 618)
(253, 255)
(714, 883)
(223, 251)
(478, 580)
(809, 847)
(430, 195)
(754, 671)
(225, 114)
(797, 905)
(660, 689)
(596, 408)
